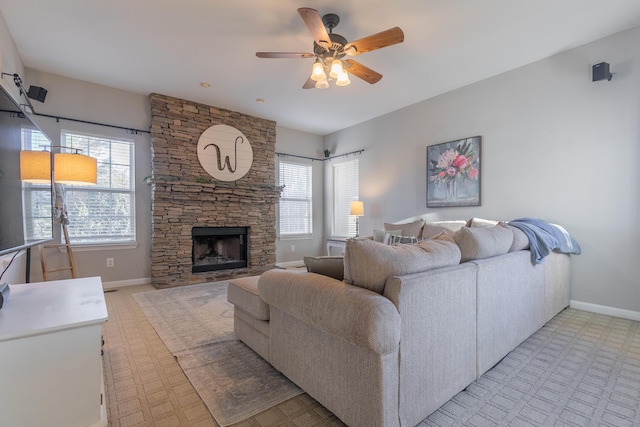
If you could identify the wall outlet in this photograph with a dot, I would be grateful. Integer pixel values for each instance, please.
(293, 248)
(109, 262)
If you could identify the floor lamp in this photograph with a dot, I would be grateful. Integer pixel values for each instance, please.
(71, 169)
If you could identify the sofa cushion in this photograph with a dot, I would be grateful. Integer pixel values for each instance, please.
(411, 229)
(331, 266)
(368, 264)
(485, 242)
(242, 292)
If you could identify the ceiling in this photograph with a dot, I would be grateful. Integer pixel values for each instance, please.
(171, 46)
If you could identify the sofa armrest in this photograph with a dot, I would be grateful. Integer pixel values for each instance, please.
(354, 314)
(438, 343)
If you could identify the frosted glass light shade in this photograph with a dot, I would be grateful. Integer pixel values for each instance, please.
(317, 72)
(343, 79)
(75, 169)
(35, 167)
(336, 68)
(322, 84)
(357, 208)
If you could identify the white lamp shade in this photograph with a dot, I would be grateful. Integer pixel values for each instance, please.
(357, 208)
(75, 169)
(35, 167)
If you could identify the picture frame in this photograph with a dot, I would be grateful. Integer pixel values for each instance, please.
(453, 173)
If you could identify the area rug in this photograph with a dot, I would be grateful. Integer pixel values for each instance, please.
(580, 370)
(196, 324)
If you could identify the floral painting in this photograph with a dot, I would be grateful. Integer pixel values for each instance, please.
(453, 173)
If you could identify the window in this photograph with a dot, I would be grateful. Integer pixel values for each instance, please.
(36, 198)
(104, 213)
(295, 207)
(345, 191)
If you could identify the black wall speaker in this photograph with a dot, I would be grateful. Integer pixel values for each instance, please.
(601, 72)
(327, 153)
(38, 93)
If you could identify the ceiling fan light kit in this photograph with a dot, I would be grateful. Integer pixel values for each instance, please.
(329, 49)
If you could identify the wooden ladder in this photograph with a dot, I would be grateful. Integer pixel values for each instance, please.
(67, 245)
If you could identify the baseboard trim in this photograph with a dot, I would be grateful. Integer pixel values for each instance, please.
(123, 283)
(603, 309)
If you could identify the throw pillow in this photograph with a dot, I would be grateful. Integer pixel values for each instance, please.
(393, 239)
(383, 236)
(434, 228)
(411, 229)
(480, 222)
(520, 240)
(378, 235)
(430, 231)
(368, 264)
(388, 236)
(478, 243)
(332, 266)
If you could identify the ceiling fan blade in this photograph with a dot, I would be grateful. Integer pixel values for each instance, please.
(284, 55)
(365, 73)
(375, 41)
(309, 84)
(314, 23)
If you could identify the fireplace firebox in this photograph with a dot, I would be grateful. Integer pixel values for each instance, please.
(218, 248)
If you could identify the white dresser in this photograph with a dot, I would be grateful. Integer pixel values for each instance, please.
(50, 355)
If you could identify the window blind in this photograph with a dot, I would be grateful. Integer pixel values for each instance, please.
(295, 208)
(345, 191)
(104, 213)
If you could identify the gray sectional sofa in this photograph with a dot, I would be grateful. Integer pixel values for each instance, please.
(410, 325)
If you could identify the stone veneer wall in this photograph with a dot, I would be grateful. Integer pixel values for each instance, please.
(184, 195)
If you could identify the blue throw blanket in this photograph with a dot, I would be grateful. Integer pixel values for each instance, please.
(545, 237)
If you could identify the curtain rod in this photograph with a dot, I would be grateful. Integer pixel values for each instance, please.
(132, 131)
(320, 160)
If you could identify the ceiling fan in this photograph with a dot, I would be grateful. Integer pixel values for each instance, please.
(329, 49)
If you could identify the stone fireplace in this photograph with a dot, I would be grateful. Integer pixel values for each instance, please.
(186, 200)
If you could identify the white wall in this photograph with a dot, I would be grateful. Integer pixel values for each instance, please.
(10, 61)
(307, 145)
(555, 145)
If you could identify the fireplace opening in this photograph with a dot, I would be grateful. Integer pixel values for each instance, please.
(218, 248)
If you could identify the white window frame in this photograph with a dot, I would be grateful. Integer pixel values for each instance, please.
(302, 198)
(98, 218)
(345, 190)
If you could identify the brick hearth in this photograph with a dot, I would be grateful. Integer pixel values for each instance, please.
(185, 196)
